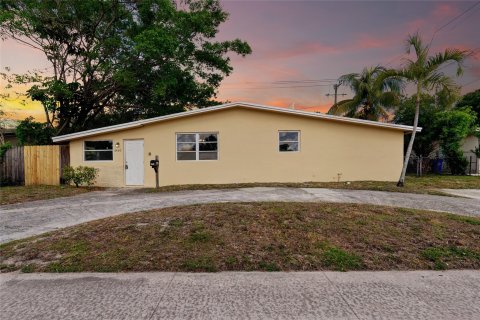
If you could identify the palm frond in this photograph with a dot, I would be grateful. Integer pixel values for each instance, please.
(390, 79)
(440, 81)
(449, 55)
(368, 88)
(341, 107)
(350, 80)
(421, 50)
(389, 100)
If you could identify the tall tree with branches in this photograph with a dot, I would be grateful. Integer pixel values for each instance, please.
(425, 73)
(129, 59)
(376, 91)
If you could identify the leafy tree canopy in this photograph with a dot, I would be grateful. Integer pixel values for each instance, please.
(114, 61)
(452, 127)
(471, 99)
(442, 126)
(430, 107)
(31, 133)
(425, 142)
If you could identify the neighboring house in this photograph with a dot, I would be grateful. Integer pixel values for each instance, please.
(238, 143)
(468, 146)
(10, 136)
(470, 143)
(8, 128)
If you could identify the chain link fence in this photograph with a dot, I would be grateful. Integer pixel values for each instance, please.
(419, 165)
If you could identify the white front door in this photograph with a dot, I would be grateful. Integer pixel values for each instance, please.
(133, 162)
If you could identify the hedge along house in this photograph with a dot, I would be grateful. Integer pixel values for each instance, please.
(240, 143)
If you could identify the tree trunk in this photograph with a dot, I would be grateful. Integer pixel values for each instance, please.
(401, 181)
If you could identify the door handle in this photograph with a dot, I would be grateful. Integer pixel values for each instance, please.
(126, 166)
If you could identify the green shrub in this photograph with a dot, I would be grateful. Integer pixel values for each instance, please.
(453, 126)
(4, 147)
(32, 133)
(80, 175)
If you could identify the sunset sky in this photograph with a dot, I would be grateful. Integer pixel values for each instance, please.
(313, 40)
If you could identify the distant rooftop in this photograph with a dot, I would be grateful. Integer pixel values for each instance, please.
(8, 124)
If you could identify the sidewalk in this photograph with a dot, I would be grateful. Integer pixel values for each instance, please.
(242, 295)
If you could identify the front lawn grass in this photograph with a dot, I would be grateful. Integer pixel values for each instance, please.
(9, 195)
(255, 236)
(430, 184)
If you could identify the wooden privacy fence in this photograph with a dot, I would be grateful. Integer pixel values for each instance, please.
(42, 165)
(32, 165)
(11, 167)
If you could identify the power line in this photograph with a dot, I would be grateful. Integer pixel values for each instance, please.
(441, 28)
(312, 82)
(454, 19)
(473, 52)
(335, 88)
(304, 81)
(467, 16)
(282, 87)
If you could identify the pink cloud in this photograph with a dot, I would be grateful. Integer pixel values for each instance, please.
(417, 25)
(316, 48)
(289, 60)
(307, 48)
(445, 10)
(323, 107)
(438, 15)
(287, 103)
(367, 42)
(279, 102)
(475, 71)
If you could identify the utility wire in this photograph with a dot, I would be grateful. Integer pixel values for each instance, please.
(454, 19)
(282, 87)
(286, 81)
(304, 81)
(473, 52)
(441, 28)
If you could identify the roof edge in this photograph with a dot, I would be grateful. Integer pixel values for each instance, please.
(140, 123)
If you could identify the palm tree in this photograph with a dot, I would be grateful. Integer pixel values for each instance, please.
(425, 74)
(376, 90)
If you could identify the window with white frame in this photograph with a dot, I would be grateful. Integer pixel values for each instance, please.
(100, 150)
(197, 146)
(288, 141)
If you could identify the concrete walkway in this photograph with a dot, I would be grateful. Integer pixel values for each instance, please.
(467, 193)
(242, 295)
(32, 218)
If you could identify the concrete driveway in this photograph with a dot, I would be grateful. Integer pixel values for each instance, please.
(242, 295)
(32, 218)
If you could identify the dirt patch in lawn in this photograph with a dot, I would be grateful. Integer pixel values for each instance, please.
(10, 195)
(423, 185)
(255, 236)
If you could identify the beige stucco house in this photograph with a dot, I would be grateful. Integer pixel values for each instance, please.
(238, 143)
